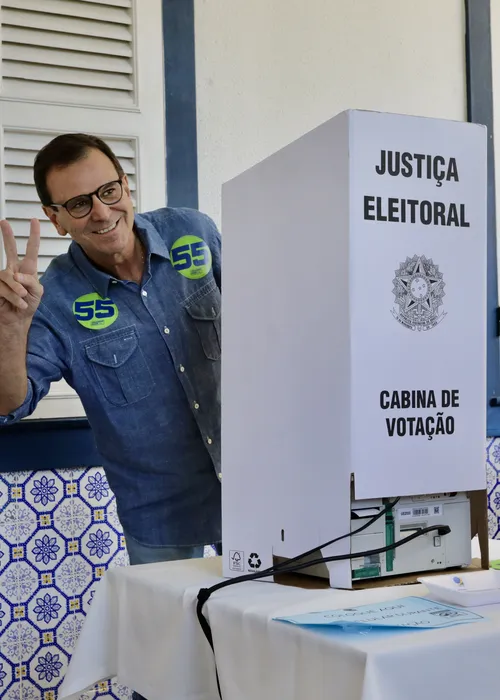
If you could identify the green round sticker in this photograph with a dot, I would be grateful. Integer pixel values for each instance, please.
(191, 257)
(94, 312)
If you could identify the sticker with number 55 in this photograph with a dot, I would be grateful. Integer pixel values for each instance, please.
(191, 257)
(94, 312)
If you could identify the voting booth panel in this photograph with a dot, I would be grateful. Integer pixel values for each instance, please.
(353, 335)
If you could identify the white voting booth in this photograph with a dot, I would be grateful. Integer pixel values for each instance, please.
(354, 330)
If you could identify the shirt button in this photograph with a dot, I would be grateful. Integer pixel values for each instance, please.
(114, 281)
(181, 368)
(220, 476)
(144, 293)
(196, 405)
(209, 440)
(166, 330)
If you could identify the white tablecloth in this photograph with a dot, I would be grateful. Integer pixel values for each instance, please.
(142, 628)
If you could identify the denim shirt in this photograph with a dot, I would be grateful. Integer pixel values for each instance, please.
(145, 362)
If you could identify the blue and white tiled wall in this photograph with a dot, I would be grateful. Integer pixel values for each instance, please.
(493, 485)
(59, 532)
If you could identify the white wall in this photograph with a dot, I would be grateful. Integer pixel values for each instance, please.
(495, 67)
(270, 70)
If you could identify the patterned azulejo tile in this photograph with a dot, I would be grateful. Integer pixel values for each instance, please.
(493, 485)
(58, 533)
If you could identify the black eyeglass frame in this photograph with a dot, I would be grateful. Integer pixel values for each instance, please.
(90, 197)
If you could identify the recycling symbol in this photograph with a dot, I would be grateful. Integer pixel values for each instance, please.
(254, 561)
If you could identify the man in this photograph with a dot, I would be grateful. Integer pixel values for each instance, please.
(130, 318)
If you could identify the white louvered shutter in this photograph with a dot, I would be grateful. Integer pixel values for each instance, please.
(92, 66)
(75, 50)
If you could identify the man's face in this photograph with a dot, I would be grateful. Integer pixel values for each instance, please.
(91, 231)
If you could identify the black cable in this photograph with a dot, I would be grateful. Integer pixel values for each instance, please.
(277, 568)
(442, 530)
(389, 507)
(205, 593)
(290, 567)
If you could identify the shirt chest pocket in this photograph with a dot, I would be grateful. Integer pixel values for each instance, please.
(119, 366)
(205, 311)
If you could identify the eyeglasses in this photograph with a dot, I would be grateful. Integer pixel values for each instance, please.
(80, 206)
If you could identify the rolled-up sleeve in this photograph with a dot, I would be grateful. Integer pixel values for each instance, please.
(23, 410)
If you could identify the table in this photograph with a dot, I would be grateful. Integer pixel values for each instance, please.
(142, 628)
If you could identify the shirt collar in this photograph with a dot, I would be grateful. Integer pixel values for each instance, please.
(101, 280)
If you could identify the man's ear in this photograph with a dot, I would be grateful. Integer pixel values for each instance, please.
(126, 186)
(51, 214)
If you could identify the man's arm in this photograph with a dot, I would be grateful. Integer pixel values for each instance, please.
(20, 295)
(13, 377)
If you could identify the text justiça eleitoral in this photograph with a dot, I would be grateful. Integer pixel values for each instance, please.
(416, 211)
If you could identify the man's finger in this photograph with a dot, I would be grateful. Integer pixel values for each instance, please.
(30, 283)
(9, 244)
(29, 264)
(8, 278)
(9, 295)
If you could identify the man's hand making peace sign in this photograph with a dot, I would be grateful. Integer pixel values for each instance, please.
(20, 290)
(20, 294)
